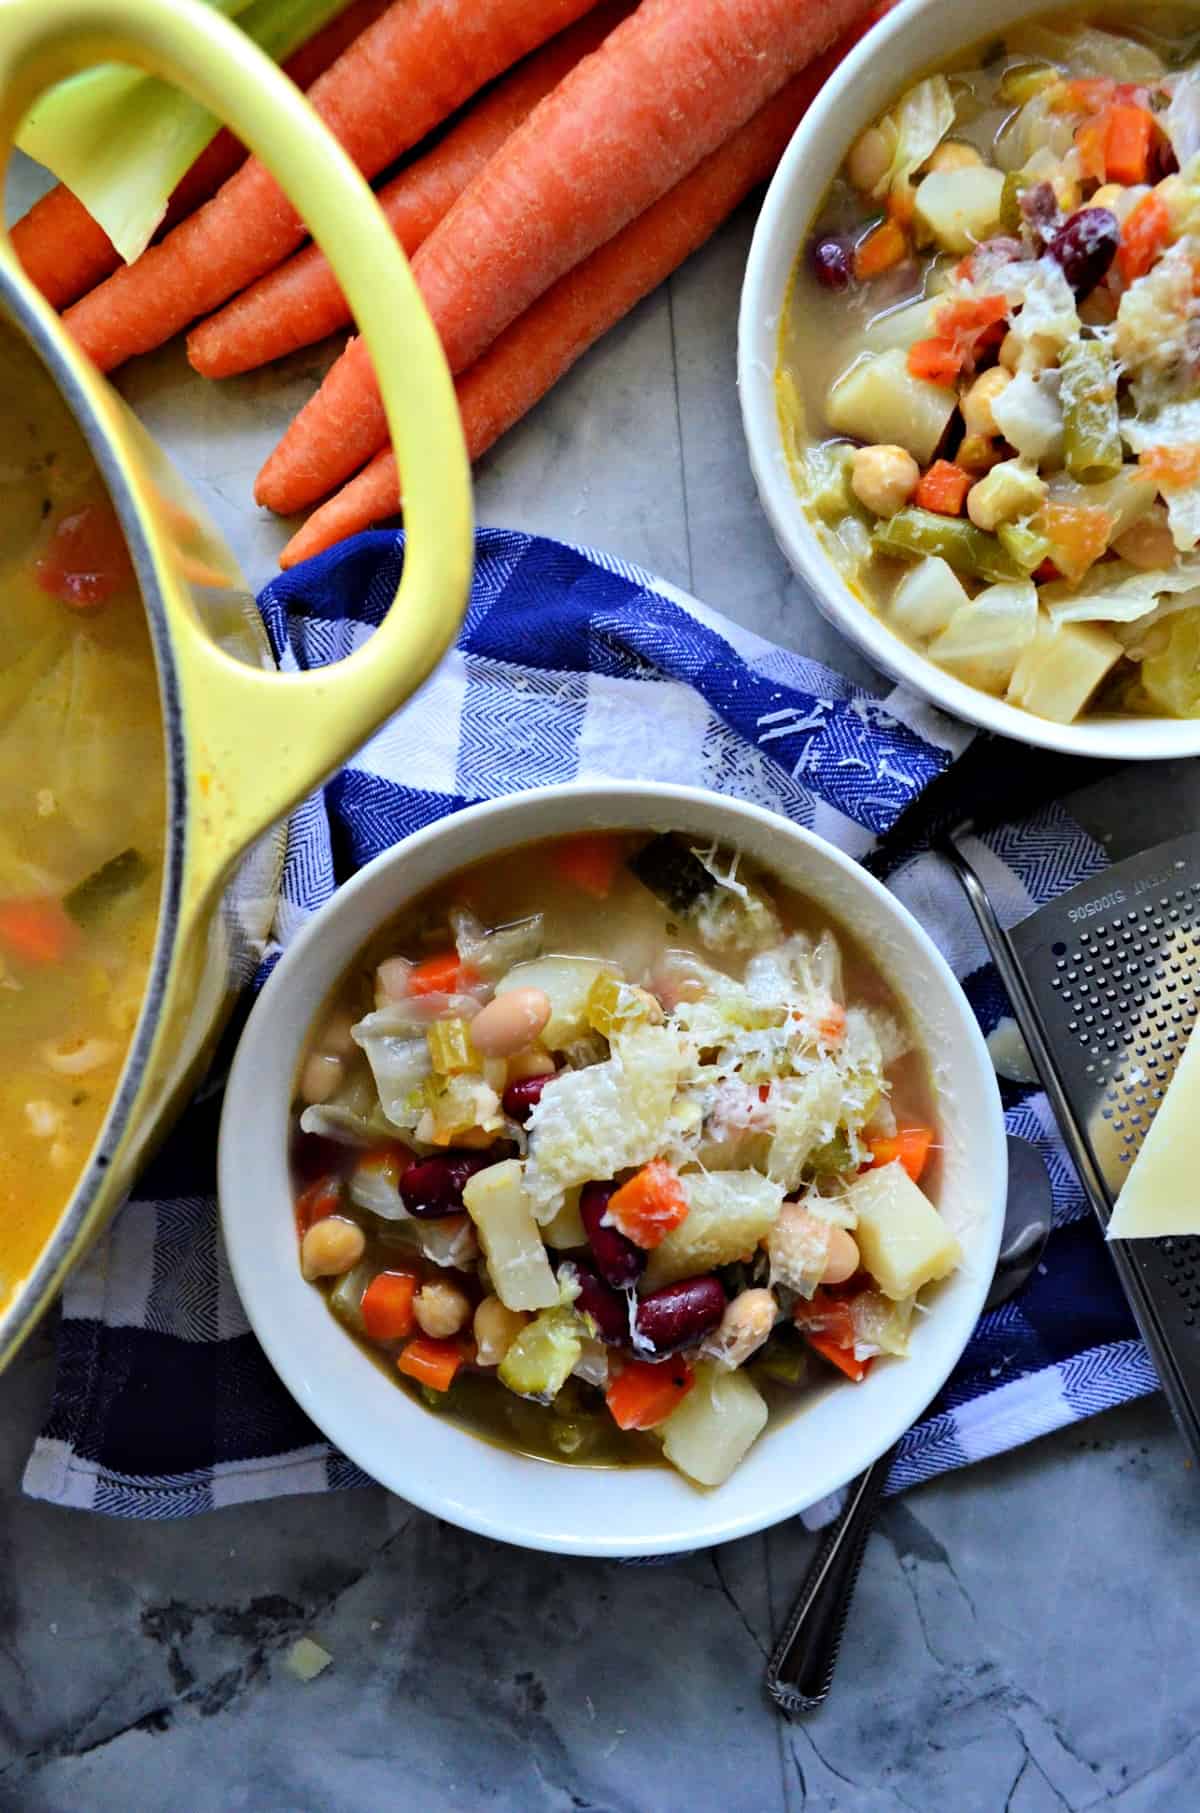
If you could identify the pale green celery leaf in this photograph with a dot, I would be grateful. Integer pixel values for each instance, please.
(921, 121)
(121, 141)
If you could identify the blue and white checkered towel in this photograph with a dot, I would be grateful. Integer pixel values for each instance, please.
(570, 665)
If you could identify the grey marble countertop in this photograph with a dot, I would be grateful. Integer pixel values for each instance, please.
(1023, 1636)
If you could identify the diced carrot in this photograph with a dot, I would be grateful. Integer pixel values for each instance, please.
(432, 1363)
(322, 1198)
(826, 1315)
(910, 1146)
(1091, 143)
(1128, 138)
(589, 863)
(1143, 237)
(1086, 94)
(387, 1306)
(963, 320)
(901, 204)
(1078, 534)
(86, 559)
(943, 488)
(937, 360)
(841, 1357)
(1171, 468)
(831, 1026)
(649, 1206)
(672, 84)
(37, 930)
(882, 249)
(445, 974)
(642, 1396)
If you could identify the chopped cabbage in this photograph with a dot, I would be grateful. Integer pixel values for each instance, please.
(927, 597)
(1029, 416)
(919, 124)
(985, 638)
(733, 916)
(1154, 332)
(447, 1240)
(398, 1053)
(493, 952)
(728, 1214)
(353, 1118)
(1181, 121)
(457, 1105)
(881, 1325)
(807, 1113)
(375, 1186)
(595, 1122)
(1045, 299)
(1086, 50)
(1115, 592)
(1172, 677)
(567, 981)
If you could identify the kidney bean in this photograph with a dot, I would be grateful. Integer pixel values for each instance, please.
(831, 262)
(434, 1186)
(521, 1098)
(609, 1309)
(1085, 247)
(680, 1314)
(618, 1260)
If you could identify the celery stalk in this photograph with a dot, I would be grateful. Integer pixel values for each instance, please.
(120, 140)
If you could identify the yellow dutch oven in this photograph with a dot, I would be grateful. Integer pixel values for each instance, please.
(243, 742)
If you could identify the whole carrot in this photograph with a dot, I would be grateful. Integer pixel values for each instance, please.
(66, 253)
(663, 90)
(404, 75)
(300, 302)
(531, 355)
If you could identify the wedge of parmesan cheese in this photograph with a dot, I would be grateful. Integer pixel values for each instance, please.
(1161, 1194)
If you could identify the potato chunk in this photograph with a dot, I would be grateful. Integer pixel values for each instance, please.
(878, 399)
(903, 1240)
(958, 208)
(715, 1426)
(496, 1202)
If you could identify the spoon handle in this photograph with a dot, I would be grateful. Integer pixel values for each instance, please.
(800, 1670)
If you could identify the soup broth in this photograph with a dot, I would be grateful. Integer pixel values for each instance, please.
(683, 1009)
(81, 806)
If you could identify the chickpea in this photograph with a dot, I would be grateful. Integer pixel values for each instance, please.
(441, 1309)
(510, 1022)
(320, 1077)
(954, 154)
(330, 1248)
(977, 454)
(746, 1324)
(1109, 195)
(842, 1257)
(496, 1328)
(869, 160)
(884, 478)
(978, 402)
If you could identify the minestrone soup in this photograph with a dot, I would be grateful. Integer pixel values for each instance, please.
(990, 365)
(81, 806)
(610, 1146)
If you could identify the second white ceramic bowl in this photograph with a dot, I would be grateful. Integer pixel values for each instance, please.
(919, 35)
(835, 1432)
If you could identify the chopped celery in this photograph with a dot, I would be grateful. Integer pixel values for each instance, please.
(450, 1049)
(1026, 547)
(1011, 216)
(544, 1355)
(345, 1299)
(961, 544)
(784, 1359)
(613, 1006)
(826, 481)
(1094, 450)
(121, 140)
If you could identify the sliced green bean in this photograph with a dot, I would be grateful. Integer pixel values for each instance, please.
(1026, 546)
(966, 548)
(1089, 403)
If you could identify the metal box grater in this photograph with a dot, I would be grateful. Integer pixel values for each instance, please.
(1105, 985)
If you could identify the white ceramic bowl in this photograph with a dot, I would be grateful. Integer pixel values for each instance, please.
(917, 36)
(426, 1459)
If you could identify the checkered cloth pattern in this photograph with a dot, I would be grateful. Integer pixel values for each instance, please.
(571, 666)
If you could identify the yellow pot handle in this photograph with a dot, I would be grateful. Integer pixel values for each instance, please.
(261, 739)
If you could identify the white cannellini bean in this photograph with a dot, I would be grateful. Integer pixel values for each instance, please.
(842, 1258)
(331, 1247)
(510, 1023)
(746, 1324)
(535, 1062)
(320, 1077)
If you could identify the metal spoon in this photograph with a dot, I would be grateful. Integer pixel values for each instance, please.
(800, 1671)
